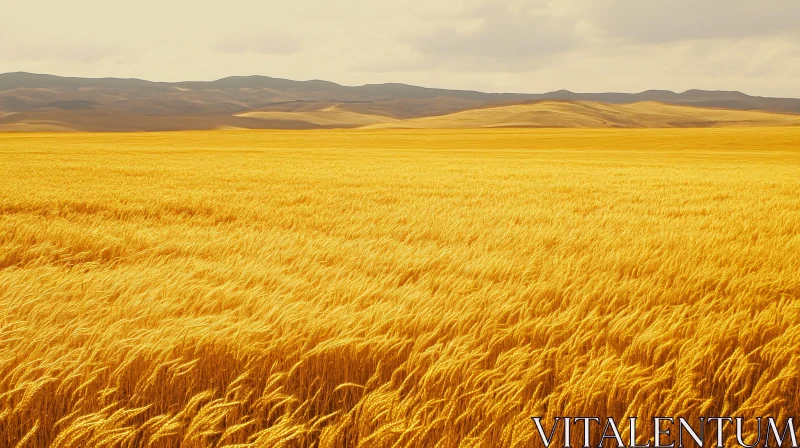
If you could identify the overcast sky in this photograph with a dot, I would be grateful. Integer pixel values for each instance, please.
(498, 45)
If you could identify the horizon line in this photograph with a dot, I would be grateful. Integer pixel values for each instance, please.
(566, 91)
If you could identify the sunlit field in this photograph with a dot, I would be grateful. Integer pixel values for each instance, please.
(392, 288)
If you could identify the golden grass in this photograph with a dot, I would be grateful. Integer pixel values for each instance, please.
(392, 289)
(588, 114)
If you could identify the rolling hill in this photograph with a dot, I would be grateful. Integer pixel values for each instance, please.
(539, 114)
(585, 114)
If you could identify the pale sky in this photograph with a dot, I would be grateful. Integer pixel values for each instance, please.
(528, 46)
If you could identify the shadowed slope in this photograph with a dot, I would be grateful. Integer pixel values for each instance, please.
(329, 116)
(112, 121)
(400, 108)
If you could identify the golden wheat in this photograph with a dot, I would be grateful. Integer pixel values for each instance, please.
(392, 288)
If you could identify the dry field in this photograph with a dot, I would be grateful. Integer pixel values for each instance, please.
(392, 288)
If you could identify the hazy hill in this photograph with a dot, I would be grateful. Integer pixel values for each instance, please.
(22, 92)
(34, 101)
(26, 91)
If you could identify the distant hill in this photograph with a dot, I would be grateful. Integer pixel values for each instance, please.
(35, 101)
(24, 92)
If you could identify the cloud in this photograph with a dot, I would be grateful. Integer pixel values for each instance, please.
(20, 45)
(680, 20)
(260, 43)
(498, 31)
(498, 45)
(499, 35)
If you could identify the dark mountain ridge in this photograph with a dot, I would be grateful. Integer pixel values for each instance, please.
(28, 91)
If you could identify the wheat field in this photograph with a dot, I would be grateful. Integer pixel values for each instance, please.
(392, 288)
